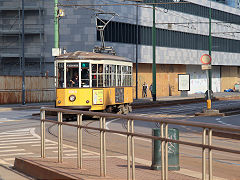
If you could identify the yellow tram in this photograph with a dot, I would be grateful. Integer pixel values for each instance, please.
(93, 81)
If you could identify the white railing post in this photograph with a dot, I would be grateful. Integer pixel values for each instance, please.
(42, 134)
(210, 154)
(162, 151)
(133, 153)
(104, 149)
(204, 154)
(101, 147)
(60, 146)
(79, 141)
(166, 152)
(128, 151)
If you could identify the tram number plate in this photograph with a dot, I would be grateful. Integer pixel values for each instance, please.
(119, 95)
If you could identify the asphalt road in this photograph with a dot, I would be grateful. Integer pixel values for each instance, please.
(19, 136)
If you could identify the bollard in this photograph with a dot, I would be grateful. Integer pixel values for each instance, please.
(173, 150)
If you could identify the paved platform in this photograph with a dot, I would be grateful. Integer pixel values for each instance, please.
(116, 169)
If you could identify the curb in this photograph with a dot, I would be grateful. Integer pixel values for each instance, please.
(183, 101)
(138, 105)
(37, 171)
(166, 103)
(23, 108)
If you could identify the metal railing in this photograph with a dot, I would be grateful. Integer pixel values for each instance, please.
(130, 139)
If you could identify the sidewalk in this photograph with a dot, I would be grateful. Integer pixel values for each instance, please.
(139, 103)
(7, 173)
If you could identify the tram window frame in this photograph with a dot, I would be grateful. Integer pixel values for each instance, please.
(108, 75)
(60, 75)
(70, 74)
(94, 80)
(129, 75)
(119, 75)
(100, 75)
(124, 75)
(84, 80)
(114, 75)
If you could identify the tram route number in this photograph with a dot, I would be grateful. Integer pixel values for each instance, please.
(72, 91)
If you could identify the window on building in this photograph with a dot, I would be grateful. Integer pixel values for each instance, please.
(167, 38)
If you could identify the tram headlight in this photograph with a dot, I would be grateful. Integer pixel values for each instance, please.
(72, 98)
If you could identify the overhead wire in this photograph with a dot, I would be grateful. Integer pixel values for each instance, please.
(143, 5)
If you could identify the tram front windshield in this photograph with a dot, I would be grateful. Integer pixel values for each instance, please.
(72, 70)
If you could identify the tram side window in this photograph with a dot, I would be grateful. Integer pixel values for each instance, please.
(84, 74)
(94, 75)
(119, 77)
(130, 75)
(72, 74)
(113, 75)
(110, 75)
(100, 75)
(60, 75)
(124, 75)
(107, 82)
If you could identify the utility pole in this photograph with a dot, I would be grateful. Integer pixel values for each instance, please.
(23, 58)
(209, 73)
(56, 36)
(136, 52)
(154, 53)
(56, 25)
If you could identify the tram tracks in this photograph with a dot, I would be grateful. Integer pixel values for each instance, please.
(73, 140)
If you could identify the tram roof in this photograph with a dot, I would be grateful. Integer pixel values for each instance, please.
(83, 55)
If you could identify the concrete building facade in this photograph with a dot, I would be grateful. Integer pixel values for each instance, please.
(182, 37)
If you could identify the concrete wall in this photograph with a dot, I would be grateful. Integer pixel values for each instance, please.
(198, 79)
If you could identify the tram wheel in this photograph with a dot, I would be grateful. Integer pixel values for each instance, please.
(125, 109)
(109, 109)
(120, 109)
(129, 108)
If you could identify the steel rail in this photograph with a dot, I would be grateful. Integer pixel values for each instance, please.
(149, 119)
(148, 137)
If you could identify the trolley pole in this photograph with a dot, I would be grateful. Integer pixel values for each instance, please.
(154, 54)
(209, 73)
(23, 58)
(56, 25)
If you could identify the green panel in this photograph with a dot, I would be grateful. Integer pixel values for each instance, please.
(173, 150)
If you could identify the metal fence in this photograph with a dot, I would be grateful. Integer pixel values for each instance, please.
(130, 139)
